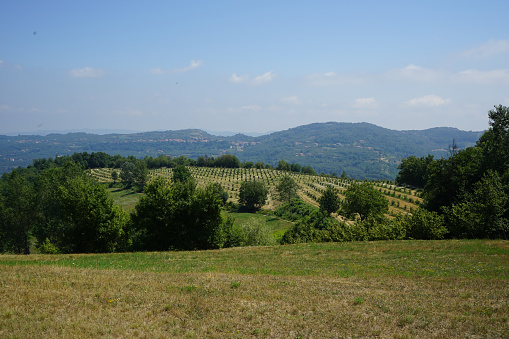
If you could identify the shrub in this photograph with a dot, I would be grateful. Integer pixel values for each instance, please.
(385, 229)
(257, 233)
(47, 248)
(425, 225)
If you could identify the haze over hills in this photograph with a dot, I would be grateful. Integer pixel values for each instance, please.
(362, 150)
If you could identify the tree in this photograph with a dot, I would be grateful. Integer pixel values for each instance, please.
(77, 214)
(227, 161)
(412, 171)
(252, 194)
(114, 176)
(181, 174)
(283, 166)
(480, 214)
(18, 213)
(495, 141)
(287, 189)
(329, 201)
(140, 175)
(178, 216)
(127, 173)
(364, 200)
(448, 179)
(219, 190)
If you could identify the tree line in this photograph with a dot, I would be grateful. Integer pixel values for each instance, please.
(470, 188)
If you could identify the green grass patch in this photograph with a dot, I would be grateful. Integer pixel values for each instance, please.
(126, 199)
(449, 258)
(278, 226)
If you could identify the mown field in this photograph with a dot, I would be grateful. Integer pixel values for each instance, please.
(401, 289)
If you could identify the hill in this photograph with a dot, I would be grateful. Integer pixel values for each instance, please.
(362, 150)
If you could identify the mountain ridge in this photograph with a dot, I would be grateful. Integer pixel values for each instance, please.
(362, 150)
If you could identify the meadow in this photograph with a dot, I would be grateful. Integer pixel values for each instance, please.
(387, 289)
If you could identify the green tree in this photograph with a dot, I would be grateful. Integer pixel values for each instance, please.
(495, 141)
(252, 194)
(219, 190)
(114, 176)
(18, 212)
(128, 173)
(181, 174)
(283, 166)
(329, 201)
(448, 179)
(227, 161)
(365, 201)
(412, 171)
(178, 216)
(77, 214)
(140, 175)
(480, 214)
(287, 189)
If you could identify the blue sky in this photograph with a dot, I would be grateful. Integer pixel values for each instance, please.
(251, 66)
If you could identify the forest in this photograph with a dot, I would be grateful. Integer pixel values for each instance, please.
(58, 205)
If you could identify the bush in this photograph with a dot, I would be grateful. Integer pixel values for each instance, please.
(385, 229)
(298, 210)
(47, 248)
(257, 233)
(425, 225)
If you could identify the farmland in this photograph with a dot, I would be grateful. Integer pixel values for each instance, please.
(360, 289)
(401, 200)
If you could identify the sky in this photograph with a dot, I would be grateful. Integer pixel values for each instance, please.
(251, 66)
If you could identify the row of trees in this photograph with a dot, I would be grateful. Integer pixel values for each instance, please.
(103, 160)
(366, 208)
(470, 188)
(65, 210)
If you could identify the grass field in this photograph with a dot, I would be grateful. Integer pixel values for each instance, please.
(399, 289)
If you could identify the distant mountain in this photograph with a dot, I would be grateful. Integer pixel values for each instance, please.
(229, 134)
(82, 130)
(362, 150)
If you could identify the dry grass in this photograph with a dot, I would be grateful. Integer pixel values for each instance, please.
(47, 296)
(64, 302)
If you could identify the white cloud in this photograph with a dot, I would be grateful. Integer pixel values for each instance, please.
(365, 103)
(294, 100)
(334, 79)
(258, 80)
(265, 77)
(250, 108)
(482, 77)
(1, 62)
(427, 100)
(157, 71)
(86, 72)
(237, 79)
(491, 48)
(416, 73)
(192, 65)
